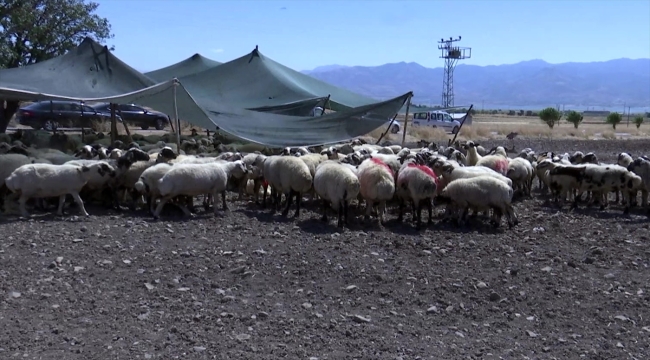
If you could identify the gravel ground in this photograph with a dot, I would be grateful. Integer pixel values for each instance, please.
(250, 285)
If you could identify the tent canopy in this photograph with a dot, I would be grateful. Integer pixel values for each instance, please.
(255, 81)
(91, 73)
(88, 71)
(192, 65)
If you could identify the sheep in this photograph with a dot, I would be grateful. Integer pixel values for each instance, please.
(46, 180)
(484, 193)
(521, 172)
(377, 181)
(9, 163)
(97, 181)
(254, 175)
(288, 175)
(332, 153)
(197, 179)
(473, 156)
(602, 179)
(420, 183)
(561, 179)
(451, 172)
(86, 152)
(129, 168)
(147, 185)
(641, 167)
(337, 184)
(391, 160)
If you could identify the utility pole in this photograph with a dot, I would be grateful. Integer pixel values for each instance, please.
(451, 54)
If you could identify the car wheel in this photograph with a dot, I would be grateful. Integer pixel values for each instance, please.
(144, 127)
(50, 125)
(454, 130)
(160, 124)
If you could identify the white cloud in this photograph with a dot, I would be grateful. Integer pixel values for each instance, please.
(217, 51)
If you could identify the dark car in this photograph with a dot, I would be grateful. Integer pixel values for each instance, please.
(138, 115)
(50, 115)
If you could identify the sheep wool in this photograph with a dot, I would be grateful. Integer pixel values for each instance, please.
(46, 180)
(197, 179)
(377, 184)
(337, 184)
(421, 183)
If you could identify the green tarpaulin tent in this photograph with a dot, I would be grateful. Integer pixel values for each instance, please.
(254, 81)
(192, 65)
(91, 73)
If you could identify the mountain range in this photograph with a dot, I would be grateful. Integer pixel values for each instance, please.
(528, 83)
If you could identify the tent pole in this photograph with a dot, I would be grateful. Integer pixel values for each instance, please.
(388, 129)
(406, 119)
(178, 122)
(113, 124)
(325, 105)
(126, 128)
(462, 122)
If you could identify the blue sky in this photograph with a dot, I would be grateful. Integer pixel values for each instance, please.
(304, 34)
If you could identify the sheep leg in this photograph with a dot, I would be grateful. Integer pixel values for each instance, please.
(285, 212)
(381, 210)
(61, 203)
(340, 214)
(400, 216)
(346, 206)
(369, 206)
(298, 203)
(418, 211)
(325, 206)
(134, 198)
(429, 203)
(79, 202)
(224, 204)
(22, 202)
(414, 215)
(644, 198)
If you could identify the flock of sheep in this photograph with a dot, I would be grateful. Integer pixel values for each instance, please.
(462, 177)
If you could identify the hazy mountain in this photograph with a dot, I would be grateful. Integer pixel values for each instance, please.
(535, 82)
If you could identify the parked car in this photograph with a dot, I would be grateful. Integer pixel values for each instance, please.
(138, 115)
(436, 119)
(51, 115)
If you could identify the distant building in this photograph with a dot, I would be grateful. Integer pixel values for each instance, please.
(595, 113)
(459, 117)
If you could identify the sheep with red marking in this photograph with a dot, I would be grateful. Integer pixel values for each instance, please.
(377, 181)
(498, 161)
(418, 183)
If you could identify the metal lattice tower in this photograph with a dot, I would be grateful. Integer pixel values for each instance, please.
(451, 54)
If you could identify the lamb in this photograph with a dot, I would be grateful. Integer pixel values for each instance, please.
(337, 184)
(377, 181)
(419, 183)
(197, 179)
(484, 193)
(147, 185)
(46, 180)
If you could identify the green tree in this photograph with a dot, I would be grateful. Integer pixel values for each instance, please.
(550, 116)
(574, 118)
(36, 30)
(638, 121)
(614, 119)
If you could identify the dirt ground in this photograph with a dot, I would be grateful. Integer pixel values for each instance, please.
(250, 285)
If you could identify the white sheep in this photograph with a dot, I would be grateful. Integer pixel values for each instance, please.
(288, 175)
(337, 184)
(46, 180)
(451, 172)
(482, 193)
(420, 184)
(96, 181)
(147, 185)
(521, 172)
(498, 161)
(197, 179)
(641, 167)
(472, 153)
(377, 181)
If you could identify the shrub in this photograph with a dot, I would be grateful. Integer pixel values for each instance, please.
(550, 116)
(614, 119)
(638, 121)
(574, 118)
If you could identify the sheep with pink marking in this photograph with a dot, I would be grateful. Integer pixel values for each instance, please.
(377, 181)
(418, 183)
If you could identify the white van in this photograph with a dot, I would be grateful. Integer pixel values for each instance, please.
(436, 119)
